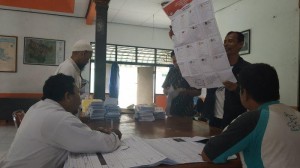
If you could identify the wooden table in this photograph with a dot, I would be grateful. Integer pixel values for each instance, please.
(170, 127)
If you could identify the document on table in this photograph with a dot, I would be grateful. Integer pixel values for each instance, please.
(178, 149)
(198, 45)
(134, 152)
(138, 152)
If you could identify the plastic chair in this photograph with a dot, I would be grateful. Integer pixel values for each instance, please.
(161, 101)
(18, 116)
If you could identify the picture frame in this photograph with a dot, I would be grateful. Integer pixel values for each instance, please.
(41, 51)
(247, 42)
(8, 53)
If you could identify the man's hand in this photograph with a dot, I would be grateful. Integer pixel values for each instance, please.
(230, 85)
(118, 132)
(104, 130)
(109, 131)
(182, 91)
(166, 90)
(204, 157)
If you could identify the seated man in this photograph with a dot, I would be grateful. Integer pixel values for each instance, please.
(267, 135)
(49, 131)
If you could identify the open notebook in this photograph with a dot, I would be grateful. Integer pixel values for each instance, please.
(138, 152)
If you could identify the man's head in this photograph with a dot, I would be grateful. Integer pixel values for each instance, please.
(233, 43)
(174, 59)
(62, 89)
(258, 83)
(81, 53)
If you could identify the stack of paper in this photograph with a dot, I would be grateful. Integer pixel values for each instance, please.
(112, 111)
(159, 113)
(144, 112)
(97, 110)
(110, 100)
(138, 152)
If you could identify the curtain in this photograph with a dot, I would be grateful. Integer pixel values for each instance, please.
(114, 81)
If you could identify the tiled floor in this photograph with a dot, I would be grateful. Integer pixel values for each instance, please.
(7, 134)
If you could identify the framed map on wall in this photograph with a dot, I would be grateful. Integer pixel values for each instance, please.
(8, 53)
(41, 51)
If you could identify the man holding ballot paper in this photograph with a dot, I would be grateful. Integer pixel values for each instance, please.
(203, 59)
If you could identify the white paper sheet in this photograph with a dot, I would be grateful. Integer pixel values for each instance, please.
(134, 152)
(179, 150)
(198, 44)
(138, 152)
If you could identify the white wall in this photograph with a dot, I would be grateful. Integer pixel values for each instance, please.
(30, 78)
(274, 28)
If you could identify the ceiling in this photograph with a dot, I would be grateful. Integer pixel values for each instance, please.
(147, 13)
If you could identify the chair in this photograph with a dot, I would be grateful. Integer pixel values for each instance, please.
(18, 116)
(161, 101)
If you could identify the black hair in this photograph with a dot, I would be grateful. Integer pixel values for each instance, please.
(260, 81)
(240, 36)
(56, 86)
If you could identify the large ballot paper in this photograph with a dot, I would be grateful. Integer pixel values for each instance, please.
(198, 44)
(138, 152)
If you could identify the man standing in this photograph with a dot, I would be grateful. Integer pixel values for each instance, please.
(49, 131)
(81, 54)
(180, 94)
(267, 135)
(223, 104)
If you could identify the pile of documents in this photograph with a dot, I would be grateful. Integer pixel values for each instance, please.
(138, 152)
(97, 110)
(144, 112)
(159, 113)
(112, 111)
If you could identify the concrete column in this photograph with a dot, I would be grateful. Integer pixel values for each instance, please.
(100, 57)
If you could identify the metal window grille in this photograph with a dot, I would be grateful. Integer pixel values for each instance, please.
(136, 55)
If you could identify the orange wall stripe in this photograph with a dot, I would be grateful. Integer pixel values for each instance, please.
(21, 95)
(91, 14)
(66, 6)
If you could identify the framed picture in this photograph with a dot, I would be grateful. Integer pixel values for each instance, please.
(247, 42)
(8, 53)
(41, 51)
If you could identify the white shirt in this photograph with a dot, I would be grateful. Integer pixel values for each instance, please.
(219, 105)
(48, 132)
(69, 67)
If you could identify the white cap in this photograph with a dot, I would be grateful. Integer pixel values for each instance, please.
(82, 45)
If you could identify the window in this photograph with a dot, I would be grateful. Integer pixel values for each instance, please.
(137, 57)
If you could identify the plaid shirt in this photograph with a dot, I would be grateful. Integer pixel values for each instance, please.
(182, 105)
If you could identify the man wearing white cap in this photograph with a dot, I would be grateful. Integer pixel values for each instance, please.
(81, 54)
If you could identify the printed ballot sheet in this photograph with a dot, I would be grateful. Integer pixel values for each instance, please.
(138, 152)
(133, 152)
(178, 149)
(198, 44)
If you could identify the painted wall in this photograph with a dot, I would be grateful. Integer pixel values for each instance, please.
(274, 28)
(30, 78)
